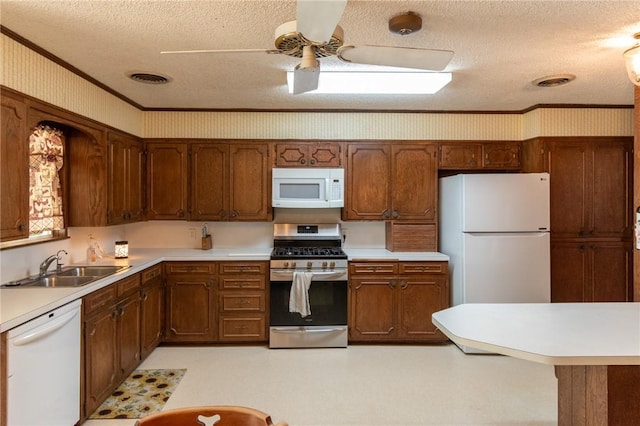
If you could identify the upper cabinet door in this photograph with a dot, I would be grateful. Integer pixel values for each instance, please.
(14, 170)
(167, 180)
(612, 188)
(249, 182)
(368, 182)
(569, 165)
(209, 181)
(125, 199)
(308, 154)
(414, 180)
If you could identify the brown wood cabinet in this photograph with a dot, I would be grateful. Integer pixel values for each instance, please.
(14, 169)
(111, 318)
(190, 302)
(152, 309)
(167, 180)
(242, 301)
(230, 181)
(479, 155)
(591, 215)
(591, 271)
(308, 154)
(391, 181)
(393, 301)
(126, 181)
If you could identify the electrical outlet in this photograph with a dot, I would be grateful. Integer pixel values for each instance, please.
(192, 233)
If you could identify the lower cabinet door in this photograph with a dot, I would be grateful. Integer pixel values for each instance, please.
(190, 315)
(101, 357)
(419, 298)
(372, 310)
(152, 317)
(128, 312)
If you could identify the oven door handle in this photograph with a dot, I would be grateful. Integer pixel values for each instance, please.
(289, 274)
(305, 330)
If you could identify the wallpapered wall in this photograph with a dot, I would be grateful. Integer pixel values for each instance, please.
(28, 72)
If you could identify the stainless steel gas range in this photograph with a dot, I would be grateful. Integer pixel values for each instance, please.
(308, 265)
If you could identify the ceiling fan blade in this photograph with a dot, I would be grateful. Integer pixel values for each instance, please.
(172, 52)
(402, 57)
(317, 19)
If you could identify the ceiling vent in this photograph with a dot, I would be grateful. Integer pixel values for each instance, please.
(142, 77)
(554, 80)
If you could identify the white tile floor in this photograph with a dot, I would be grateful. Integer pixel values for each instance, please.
(362, 385)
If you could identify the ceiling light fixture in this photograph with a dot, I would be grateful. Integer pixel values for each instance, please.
(378, 83)
(632, 61)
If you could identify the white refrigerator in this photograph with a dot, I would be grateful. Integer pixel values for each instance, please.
(495, 230)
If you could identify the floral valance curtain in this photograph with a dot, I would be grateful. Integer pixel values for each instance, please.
(46, 150)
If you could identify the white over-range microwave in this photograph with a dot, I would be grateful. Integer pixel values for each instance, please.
(307, 188)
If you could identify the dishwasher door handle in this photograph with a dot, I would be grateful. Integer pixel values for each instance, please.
(39, 333)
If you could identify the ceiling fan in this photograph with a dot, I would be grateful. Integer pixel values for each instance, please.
(316, 34)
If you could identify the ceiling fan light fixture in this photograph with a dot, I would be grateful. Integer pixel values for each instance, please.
(632, 61)
(380, 83)
(405, 23)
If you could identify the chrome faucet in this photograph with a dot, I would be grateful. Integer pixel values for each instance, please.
(44, 266)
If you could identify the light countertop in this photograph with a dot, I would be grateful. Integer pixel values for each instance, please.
(19, 305)
(548, 333)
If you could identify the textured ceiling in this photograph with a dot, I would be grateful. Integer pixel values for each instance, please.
(500, 47)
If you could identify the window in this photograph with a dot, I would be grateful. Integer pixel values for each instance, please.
(46, 159)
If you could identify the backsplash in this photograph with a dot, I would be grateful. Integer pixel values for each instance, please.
(21, 262)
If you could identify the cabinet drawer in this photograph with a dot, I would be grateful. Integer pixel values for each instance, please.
(243, 268)
(127, 285)
(378, 268)
(242, 328)
(231, 302)
(423, 268)
(190, 268)
(234, 283)
(151, 273)
(99, 299)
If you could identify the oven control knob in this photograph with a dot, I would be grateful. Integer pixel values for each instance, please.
(293, 265)
(285, 264)
(324, 265)
(332, 265)
(309, 265)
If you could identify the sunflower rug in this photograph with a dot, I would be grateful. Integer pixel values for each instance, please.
(144, 392)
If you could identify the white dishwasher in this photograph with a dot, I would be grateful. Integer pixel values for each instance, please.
(43, 369)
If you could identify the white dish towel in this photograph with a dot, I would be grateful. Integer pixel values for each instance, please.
(299, 295)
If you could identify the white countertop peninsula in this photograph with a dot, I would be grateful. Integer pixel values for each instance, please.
(19, 305)
(594, 346)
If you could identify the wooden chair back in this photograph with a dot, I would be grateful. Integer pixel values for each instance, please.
(209, 416)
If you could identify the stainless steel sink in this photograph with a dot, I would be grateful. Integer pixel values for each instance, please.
(71, 276)
(58, 281)
(89, 271)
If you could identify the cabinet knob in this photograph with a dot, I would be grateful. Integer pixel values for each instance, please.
(385, 214)
(234, 213)
(395, 214)
(303, 161)
(312, 161)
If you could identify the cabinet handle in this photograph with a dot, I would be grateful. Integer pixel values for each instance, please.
(21, 227)
(303, 161)
(404, 284)
(385, 214)
(395, 214)
(223, 213)
(145, 296)
(234, 213)
(312, 161)
(114, 314)
(181, 213)
(393, 283)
